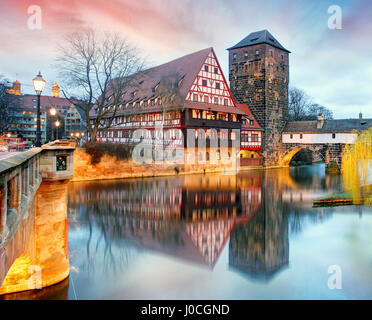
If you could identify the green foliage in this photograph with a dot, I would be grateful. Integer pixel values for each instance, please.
(97, 150)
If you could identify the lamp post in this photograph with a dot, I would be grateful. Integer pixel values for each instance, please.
(57, 126)
(53, 112)
(39, 84)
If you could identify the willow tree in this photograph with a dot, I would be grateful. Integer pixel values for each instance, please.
(357, 168)
(96, 70)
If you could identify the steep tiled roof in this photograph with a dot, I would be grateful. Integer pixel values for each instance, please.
(245, 110)
(258, 37)
(143, 84)
(339, 125)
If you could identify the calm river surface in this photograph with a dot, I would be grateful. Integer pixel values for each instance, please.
(250, 236)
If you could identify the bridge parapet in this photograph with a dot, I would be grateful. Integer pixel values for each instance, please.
(21, 176)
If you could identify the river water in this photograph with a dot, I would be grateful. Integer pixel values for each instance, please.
(249, 236)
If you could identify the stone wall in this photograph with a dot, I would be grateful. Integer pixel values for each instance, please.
(261, 82)
(111, 168)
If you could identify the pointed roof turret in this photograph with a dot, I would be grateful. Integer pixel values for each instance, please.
(258, 37)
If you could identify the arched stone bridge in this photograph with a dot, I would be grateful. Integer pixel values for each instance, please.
(33, 217)
(326, 138)
(326, 152)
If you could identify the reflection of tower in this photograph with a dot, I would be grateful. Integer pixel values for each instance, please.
(260, 248)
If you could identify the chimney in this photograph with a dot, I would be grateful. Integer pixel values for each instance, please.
(360, 116)
(320, 123)
(55, 90)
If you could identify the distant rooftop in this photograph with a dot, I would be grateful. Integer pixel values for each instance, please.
(258, 37)
(330, 126)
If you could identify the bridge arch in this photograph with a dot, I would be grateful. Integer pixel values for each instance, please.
(291, 152)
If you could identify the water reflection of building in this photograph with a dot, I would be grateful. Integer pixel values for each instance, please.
(189, 217)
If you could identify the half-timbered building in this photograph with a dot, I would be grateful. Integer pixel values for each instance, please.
(187, 93)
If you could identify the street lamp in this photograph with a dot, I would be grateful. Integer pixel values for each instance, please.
(57, 125)
(39, 84)
(53, 113)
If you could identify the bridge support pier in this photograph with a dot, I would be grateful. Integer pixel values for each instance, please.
(333, 158)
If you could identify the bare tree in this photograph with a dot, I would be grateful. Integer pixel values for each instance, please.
(168, 91)
(299, 102)
(301, 107)
(96, 70)
(314, 109)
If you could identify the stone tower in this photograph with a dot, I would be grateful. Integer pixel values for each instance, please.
(55, 90)
(259, 76)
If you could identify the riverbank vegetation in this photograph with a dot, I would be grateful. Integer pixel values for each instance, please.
(357, 168)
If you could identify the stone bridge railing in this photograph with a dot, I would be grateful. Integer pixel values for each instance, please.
(25, 218)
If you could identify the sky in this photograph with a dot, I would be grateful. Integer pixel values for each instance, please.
(333, 66)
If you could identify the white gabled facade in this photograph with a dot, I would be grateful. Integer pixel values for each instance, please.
(210, 85)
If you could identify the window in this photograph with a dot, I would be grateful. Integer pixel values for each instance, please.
(251, 122)
(291, 136)
(204, 83)
(195, 97)
(206, 99)
(257, 52)
(282, 57)
(246, 54)
(271, 53)
(61, 163)
(195, 113)
(254, 137)
(225, 102)
(206, 68)
(217, 85)
(215, 100)
(301, 136)
(333, 136)
(216, 70)
(235, 56)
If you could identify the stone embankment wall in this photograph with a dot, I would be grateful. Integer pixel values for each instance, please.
(111, 168)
